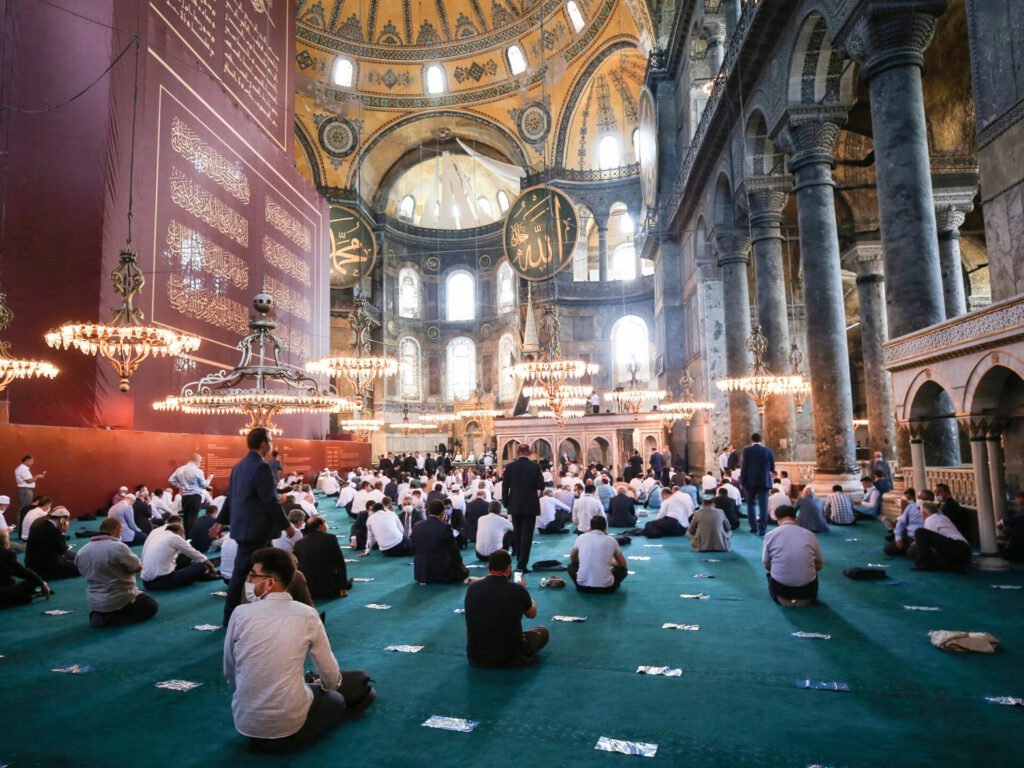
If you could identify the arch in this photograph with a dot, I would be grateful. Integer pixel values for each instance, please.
(343, 72)
(571, 446)
(760, 157)
(933, 407)
(407, 208)
(598, 451)
(460, 295)
(516, 59)
(506, 378)
(509, 449)
(585, 257)
(725, 213)
(503, 203)
(819, 75)
(620, 233)
(920, 380)
(980, 389)
(410, 374)
(460, 368)
(435, 81)
(542, 449)
(650, 443)
(505, 292)
(409, 293)
(572, 10)
(630, 339)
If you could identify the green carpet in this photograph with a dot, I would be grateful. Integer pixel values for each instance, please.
(736, 703)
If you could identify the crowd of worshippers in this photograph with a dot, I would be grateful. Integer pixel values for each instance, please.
(268, 540)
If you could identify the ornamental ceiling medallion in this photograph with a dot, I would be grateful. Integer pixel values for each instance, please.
(540, 233)
(647, 145)
(353, 247)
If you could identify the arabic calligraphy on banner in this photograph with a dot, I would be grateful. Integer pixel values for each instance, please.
(540, 233)
(353, 247)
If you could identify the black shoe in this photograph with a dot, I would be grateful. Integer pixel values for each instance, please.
(524, 569)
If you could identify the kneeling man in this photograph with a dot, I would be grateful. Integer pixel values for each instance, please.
(792, 558)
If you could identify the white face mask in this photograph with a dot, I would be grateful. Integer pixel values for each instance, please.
(250, 593)
(407, 508)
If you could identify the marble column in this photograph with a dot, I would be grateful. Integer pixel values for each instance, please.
(765, 198)
(889, 45)
(714, 33)
(996, 468)
(602, 249)
(733, 9)
(950, 211)
(989, 560)
(866, 260)
(733, 250)
(808, 138)
(917, 459)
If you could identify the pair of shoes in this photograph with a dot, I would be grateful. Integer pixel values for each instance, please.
(524, 569)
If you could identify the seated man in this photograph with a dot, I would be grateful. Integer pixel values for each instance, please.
(123, 512)
(673, 517)
(265, 650)
(597, 564)
(437, 559)
(109, 568)
(475, 510)
(207, 532)
(654, 498)
(495, 607)
(786, 484)
(39, 509)
(951, 508)
(321, 560)
(690, 490)
(161, 505)
(940, 545)
(810, 511)
(621, 512)
(871, 502)
(47, 552)
(384, 529)
(160, 556)
(13, 592)
(838, 508)
(493, 532)
(709, 530)
(346, 496)
(708, 483)
(605, 492)
(729, 508)
(297, 517)
(586, 508)
(553, 513)
(792, 558)
(902, 540)
(776, 500)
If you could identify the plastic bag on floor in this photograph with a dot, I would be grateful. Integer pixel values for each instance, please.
(959, 642)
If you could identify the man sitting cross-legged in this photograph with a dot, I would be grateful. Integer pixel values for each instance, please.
(792, 557)
(495, 608)
(673, 517)
(598, 564)
(322, 561)
(621, 512)
(265, 649)
(109, 568)
(437, 558)
(493, 532)
(709, 529)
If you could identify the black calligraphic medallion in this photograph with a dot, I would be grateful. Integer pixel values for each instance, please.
(540, 233)
(353, 247)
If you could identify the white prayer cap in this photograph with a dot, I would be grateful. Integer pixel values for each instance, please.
(5, 499)
(123, 488)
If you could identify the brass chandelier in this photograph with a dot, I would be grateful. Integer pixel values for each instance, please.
(11, 367)
(633, 397)
(220, 393)
(761, 383)
(406, 427)
(686, 407)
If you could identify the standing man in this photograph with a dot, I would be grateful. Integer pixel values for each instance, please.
(26, 481)
(879, 464)
(657, 463)
(756, 478)
(521, 487)
(252, 511)
(190, 480)
(276, 466)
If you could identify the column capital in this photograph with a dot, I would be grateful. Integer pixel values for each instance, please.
(713, 29)
(765, 197)
(892, 33)
(732, 247)
(951, 208)
(866, 259)
(978, 427)
(810, 134)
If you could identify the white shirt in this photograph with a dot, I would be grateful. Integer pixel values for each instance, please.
(151, 541)
(30, 518)
(587, 507)
(23, 476)
(228, 552)
(548, 506)
(775, 501)
(158, 558)
(792, 552)
(3, 521)
(359, 501)
(286, 542)
(648, 484)
(679, 505)
(458, 500)
(375, 495)
(596, 551)
(787, 485)
(723, 460)
(385, 529)
(733, 492)
(347, 494)
(708, 483)
(490, 533)
(943, 526)
(162, 507)
(265, 651)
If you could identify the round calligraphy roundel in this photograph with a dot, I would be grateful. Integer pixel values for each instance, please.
(647, 148)
(540, 233)
(353, 247)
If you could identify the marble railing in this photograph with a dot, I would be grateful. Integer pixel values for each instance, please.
(959, 479)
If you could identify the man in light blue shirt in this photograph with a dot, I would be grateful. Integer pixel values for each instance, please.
(871, 502)
(123, 512)
(605, 492)
(906, 527)
(190, 480)
(691, 490)
(792, 557)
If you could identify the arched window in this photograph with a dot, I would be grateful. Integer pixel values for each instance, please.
(461, 368)
(506, 288)
(575, 17)
(624, 261)
(636, 145)
(626, 224)
(435, 79)
(608, 155)
(506, 359)
(630, 342)
(502, 201)
(461, 296)
(409, 373)
(516, 60)
(342, 72)
(407, 208)
(408, 293)
(485, 207)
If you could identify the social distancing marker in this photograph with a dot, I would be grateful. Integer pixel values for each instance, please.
(450, 723)
(639, 748)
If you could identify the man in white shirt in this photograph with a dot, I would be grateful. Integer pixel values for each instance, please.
(359, 500)
(554, 514)
(384, 529)
(297, 518)
(493, 532)
(457, 499)
(648, 484)
(708, 484)
(160, 558)
(776, 500)
(586, 508)
(792, 557)
(733, 491)
(25, 480)
(346, 498)
(39, 511)
(265, 650)
(597, 563)
(871, 502)
(674, 516)
(940, 545)
(376, 493)
(786, 483)
(161, 505)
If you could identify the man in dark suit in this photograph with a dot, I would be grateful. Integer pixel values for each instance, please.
(47, 551)
(322, 561)
(636, 467)
(521, 486)
(729, 507)
(475, 509)
(657, 462)
(437, 559)
(252, 511)
(756, 478)
(621, 512)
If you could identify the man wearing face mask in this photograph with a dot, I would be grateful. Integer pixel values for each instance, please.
(251, 510)
(265, 649)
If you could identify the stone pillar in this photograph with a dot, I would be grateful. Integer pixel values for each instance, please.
(808, 139)
(733, 258)
(714, 33)
(989, 560)
(733, 9)
(602, 249)
(917, 459)
(765, 198)
(994, 449)
(889, 44)
(950, 211)
(866, 260)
